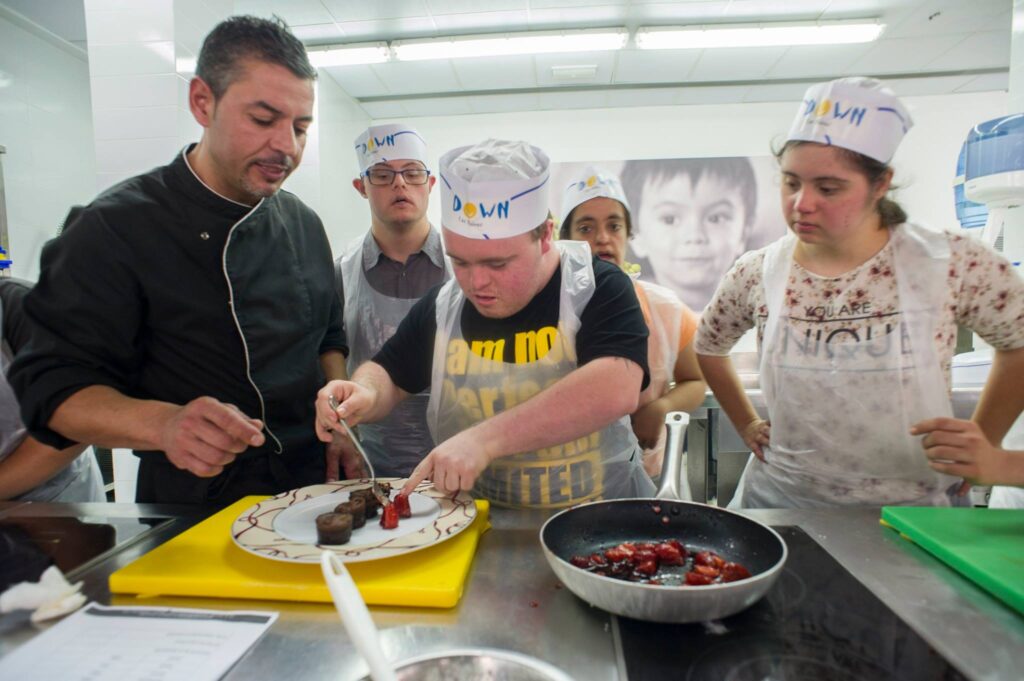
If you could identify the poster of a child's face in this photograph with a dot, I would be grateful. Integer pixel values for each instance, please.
(691, 217)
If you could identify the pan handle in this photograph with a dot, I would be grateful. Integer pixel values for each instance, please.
(674, 484)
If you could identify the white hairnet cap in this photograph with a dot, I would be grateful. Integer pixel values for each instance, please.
(860, 114)
(495, 189)
(383, 143)
(591, 183)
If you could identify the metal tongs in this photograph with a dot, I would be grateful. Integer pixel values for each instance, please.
(375, 487)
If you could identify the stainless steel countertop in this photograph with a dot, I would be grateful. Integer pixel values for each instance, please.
(513, 601)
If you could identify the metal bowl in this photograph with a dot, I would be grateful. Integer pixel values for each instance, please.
(476, 664)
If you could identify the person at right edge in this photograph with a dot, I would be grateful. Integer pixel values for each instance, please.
(384, 272)
(856, 312)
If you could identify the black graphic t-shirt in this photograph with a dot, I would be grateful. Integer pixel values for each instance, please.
(612, 325)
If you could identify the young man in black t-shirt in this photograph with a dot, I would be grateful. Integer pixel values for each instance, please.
(532, 383)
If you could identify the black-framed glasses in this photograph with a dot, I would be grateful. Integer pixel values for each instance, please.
(385, 176)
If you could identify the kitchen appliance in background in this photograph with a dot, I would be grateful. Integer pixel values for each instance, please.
(993, 176)
(989, 196)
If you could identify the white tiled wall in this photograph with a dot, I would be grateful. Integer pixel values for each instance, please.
(46, 125)
(324, 180)
(925, 163)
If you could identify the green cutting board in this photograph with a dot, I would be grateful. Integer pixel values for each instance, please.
(985, 545)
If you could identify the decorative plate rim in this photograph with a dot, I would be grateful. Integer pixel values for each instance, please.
(253, 530)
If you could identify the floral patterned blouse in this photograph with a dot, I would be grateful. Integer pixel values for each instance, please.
(984, 294)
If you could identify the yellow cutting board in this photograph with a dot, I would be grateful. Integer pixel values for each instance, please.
(203, 561)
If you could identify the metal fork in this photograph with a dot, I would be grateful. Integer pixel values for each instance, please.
(375, 487)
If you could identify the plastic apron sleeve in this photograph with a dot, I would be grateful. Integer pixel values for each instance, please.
(666, 317)
(399, 442)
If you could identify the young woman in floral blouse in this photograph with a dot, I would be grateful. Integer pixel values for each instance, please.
(856, 313)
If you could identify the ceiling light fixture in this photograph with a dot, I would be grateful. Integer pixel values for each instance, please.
(547, 42)
(366, 53)
(757, 35)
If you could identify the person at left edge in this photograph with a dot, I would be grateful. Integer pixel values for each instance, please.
(535, 354)
(189, 312)
(384, 272)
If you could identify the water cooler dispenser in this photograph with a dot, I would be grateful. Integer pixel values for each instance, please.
(989, 195)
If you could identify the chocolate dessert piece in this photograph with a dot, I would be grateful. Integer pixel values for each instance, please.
(333, 528)
(356, 507)
(371, 501)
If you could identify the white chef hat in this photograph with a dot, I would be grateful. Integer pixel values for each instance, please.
(591, 183)
(859, 114)
(382, 143)
(495, 189)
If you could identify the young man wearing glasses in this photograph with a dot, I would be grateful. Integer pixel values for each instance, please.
(383, 273)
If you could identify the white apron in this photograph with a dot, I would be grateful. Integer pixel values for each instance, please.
(666, 312)
(399, 442)
(79, 481)
(841, 411)
(1010, 497)
(467, 388)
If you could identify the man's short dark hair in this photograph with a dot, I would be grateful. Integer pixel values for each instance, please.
(736, 172)
(246, 37)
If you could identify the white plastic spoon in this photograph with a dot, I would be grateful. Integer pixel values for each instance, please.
(356, 617)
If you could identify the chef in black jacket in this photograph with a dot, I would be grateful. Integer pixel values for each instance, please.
(189, 313)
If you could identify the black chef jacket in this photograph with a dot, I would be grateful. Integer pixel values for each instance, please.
(165, 290)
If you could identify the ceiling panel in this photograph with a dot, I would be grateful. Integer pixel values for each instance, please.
(361, 10)
(655, 66)
(470, 6)
(295, 12)
(482, 22)
(417, 76)
(358, 81)
(989, 49)
(386, 29)
(735, 63)
(945, 17)
(658, 11)
(867, 8)
(791, 10)
(66, 19)
(643, 97)
(604, 61)
(378, 110)
(585, 99)
(577, 17)
(776, 92)
(319, 34)
(807, 61)
(558, 4)
(987, 83)
(495, 73)
(998, 22)
(438, 106)
(711, 94)
(909, 87)
(900, 55)
(502, 103)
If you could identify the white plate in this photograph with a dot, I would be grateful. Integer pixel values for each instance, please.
(284, 527)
